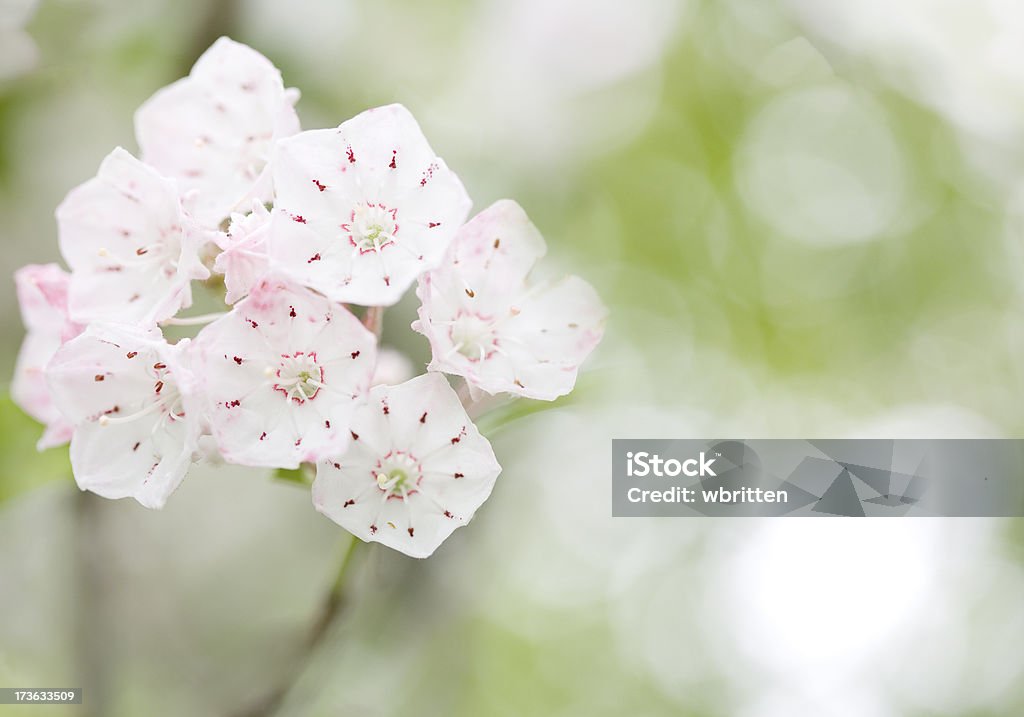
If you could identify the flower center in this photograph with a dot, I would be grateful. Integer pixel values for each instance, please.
(371, 227)
(398, 474)
(473, 336)
(299, 376)
(165, 400)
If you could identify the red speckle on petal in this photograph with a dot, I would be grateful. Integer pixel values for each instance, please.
(233, 404)
(387, 281)
(299, 218)
(159, 366)
(337, 466)
(132, 354)
(252, 323)
(394, 155)
(327, 424)
(355, 354)
(431, 225)
(315, 257)
(136, 446)
(459, 475)
(373, 530)
(319, 186)
(423, 418)
(298, 442)
(263, 436)
(411, 532)
(348, 502)
(448, 514)
(159, 387)
(355, 436)
(291, 311)
(98, 377)
(351, 155)
(238, 360)
(428, 174)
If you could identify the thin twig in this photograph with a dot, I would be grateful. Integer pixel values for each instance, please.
(329, 610)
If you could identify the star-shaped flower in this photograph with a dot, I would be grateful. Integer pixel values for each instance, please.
(485, 321)
(43, 300)
(214, 130)
(132, 249)
(282, 374)
(416, 469)
(129, 395)
(243, 259)
(362, 210)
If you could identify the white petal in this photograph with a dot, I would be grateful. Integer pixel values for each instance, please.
(426, 426)
(243, 361)
(324, 178)
(128, 243)
(214, 130)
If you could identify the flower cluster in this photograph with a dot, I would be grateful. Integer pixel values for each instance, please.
(299, 228)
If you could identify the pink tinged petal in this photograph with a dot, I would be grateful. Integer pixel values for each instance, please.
(136, 426)
(131, 248)
(377, 207)
(42, 298)
(244, 257)
(282, 374)
(214, 130)
(487, 323)
(419, 470)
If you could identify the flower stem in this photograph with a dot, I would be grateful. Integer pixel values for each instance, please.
(328, 612)
(374, 320)
(193, 320)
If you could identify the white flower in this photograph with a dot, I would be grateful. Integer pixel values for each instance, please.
(281, 375)
(43, 299)
(364, 209)
(393, 367)
(416, 470)
(131, 248)
(214, 130)
(486, 323)
(244, 257)
(128, 394)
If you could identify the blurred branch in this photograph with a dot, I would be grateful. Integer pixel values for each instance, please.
(219, 19)
(91, 634)
(328, 613)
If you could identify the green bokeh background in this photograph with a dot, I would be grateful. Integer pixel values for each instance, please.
(800, 230)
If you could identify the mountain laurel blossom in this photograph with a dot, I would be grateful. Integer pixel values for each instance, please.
(304, 238)
(214, 130)
(128, 394)
(488, 324)
(416, 470)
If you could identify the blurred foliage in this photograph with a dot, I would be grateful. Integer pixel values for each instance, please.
(22, 468)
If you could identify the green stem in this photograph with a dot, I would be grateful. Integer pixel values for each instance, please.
(328, 613)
